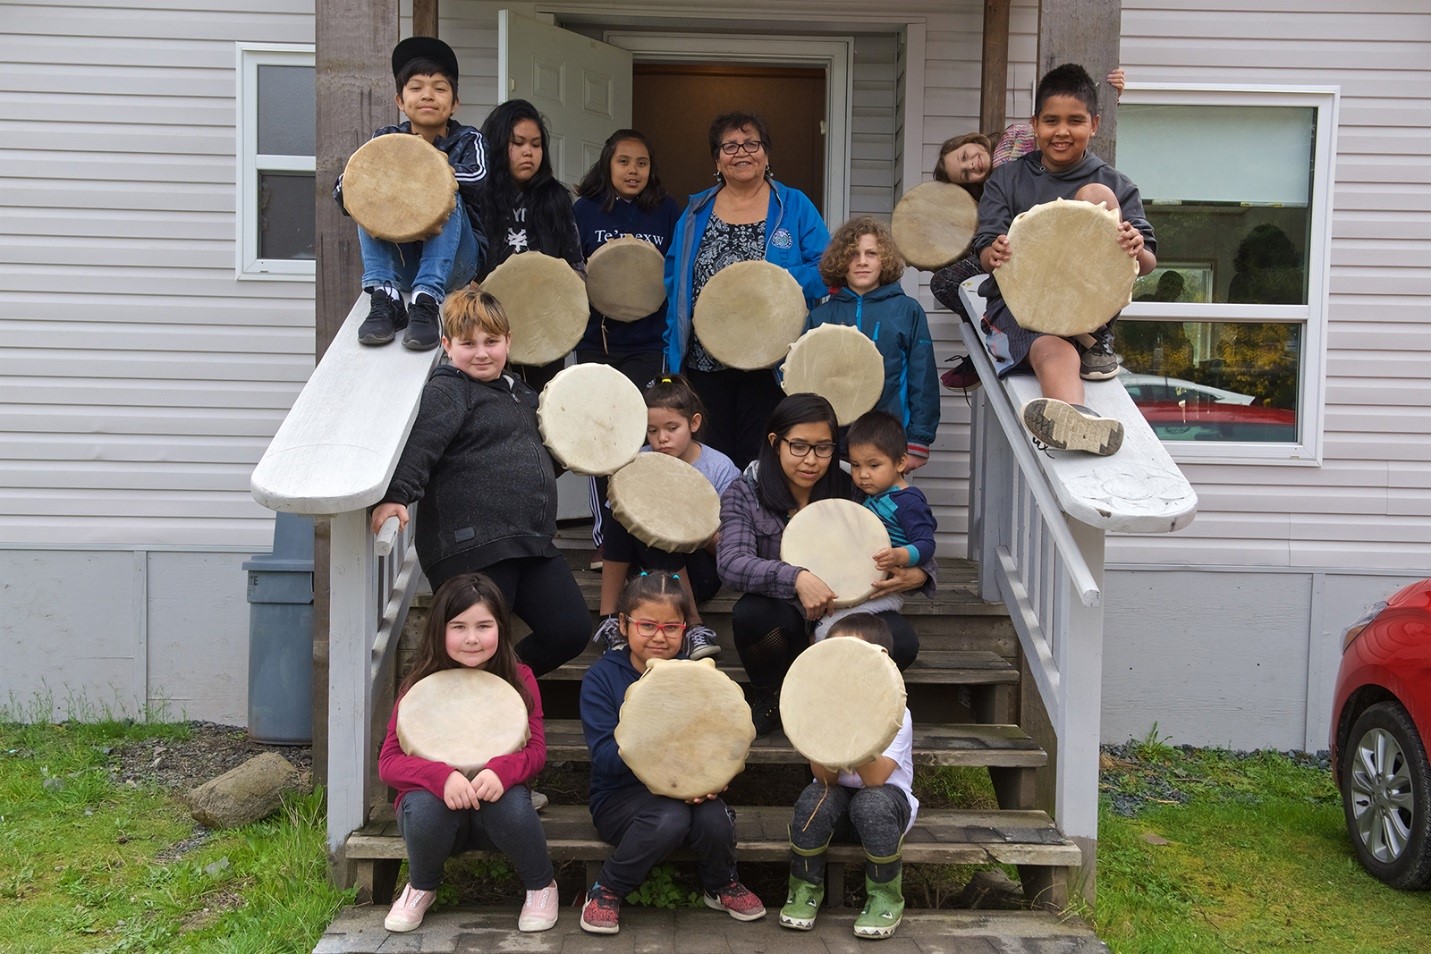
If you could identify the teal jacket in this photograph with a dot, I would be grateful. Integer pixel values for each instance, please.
(898, 327)
(795, 238)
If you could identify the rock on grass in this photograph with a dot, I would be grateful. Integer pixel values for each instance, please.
(252, 791)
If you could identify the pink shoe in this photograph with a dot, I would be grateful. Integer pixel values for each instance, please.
(736, 900)
(408, 909)
(539, 911)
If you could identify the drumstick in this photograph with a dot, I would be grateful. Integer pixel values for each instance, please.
(387, 537)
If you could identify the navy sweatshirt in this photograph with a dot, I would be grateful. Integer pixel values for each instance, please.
(603, 689)
(596, 228)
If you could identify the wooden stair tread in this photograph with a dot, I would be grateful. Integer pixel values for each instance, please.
(953, 667)
(939, 836)
(1003, 746)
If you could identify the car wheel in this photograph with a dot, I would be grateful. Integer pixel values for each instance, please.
(1386, 796)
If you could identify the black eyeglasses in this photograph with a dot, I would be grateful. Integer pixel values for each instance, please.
(803, 448)
(751, 146)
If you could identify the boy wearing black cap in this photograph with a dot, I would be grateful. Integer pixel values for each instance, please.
(425, 71)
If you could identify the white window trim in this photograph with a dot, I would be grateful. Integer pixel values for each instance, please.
(247, 265)
(1311, 388)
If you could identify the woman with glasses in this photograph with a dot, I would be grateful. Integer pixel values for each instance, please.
(746, 216)
(780, 603)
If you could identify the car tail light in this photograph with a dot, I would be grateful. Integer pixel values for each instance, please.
(1355, 629)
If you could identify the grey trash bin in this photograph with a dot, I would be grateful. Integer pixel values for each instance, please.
(280, 635)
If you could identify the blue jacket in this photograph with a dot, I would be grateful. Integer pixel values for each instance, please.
(795, 238)
(898, 327)
(597, 227)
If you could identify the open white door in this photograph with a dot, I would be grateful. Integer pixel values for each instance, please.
(581, 85)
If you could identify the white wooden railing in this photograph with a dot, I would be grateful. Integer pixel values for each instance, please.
(1037, 530)
(332, 458)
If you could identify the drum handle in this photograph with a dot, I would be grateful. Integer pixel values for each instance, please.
(387, 537)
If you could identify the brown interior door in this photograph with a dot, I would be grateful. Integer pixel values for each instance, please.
(673, 105)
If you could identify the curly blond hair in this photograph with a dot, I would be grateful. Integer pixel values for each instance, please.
(835, 263)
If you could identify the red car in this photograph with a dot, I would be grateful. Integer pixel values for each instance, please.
(1381, 731)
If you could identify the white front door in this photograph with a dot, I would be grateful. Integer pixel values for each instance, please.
(582, 86)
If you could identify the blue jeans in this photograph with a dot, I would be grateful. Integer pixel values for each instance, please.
(433, 833)
(435, 266)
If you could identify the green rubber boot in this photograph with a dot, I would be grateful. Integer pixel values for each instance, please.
(802, 904)
(884, 908)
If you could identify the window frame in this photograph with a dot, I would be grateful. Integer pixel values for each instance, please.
(248, 266)
(1311, 384)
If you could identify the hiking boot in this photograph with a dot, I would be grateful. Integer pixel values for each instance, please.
(386, 315)
(802, 904)
(602, 913)
(764, 711)
(736, 900)
(701, 642)
(884, 908)
(608, 631)
(962, 377)
(539, 911)
(1097, 360)
(408, 909)
(424, 327)
(1071, 427)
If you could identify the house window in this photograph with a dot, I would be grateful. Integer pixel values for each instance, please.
(1223, 344)
(276, 130)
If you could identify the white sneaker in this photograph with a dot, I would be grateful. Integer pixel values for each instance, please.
(408, 909)
(539, 911)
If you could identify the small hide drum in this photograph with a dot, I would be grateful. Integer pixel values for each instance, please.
(934, 223)
(545, 302)
(626, 278)
(665, 503)
(836, 540)
(1066, 274)
(592, 419)
(749, 314)
(684, 728)
(464, 717)
(841, 365)
(399, 187)
(842, 702)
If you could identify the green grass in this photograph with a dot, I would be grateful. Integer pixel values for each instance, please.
(1209, 851)
(90, 865)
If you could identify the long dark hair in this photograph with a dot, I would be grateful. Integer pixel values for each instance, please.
(770, 485)
(452, 599)
(596, 184)
(551, 227)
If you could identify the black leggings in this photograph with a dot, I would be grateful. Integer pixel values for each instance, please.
(543, 593)
(699, 567)
(770, 633)
(738, 406)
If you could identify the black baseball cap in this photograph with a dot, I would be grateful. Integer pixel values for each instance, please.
(428, 48)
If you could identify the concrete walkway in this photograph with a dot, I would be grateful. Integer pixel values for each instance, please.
(359, 930)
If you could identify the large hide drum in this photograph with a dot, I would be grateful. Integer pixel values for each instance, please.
(464, 717)
(841, 365)
(749, 314)
(592, 419)
(836, 540)
(626, 278)
(934, 223)
(1066, 274)
(842, 702)
(684, 728)
(665, 503)
(399, 187)
(545, 302)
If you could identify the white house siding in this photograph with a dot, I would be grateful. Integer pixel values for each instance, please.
(141, 380)
(1235, 638)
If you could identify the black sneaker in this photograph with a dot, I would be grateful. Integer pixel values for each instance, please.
(764, 711)
(424, 330)
(386, 316)
(1097, 360)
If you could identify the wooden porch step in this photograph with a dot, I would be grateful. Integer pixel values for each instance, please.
(939, 836)
(992, 746)
(940, 667)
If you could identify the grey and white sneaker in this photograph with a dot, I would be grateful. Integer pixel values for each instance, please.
(1097, 360)
(608, 631)
(1062, 426)
(701, 642)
